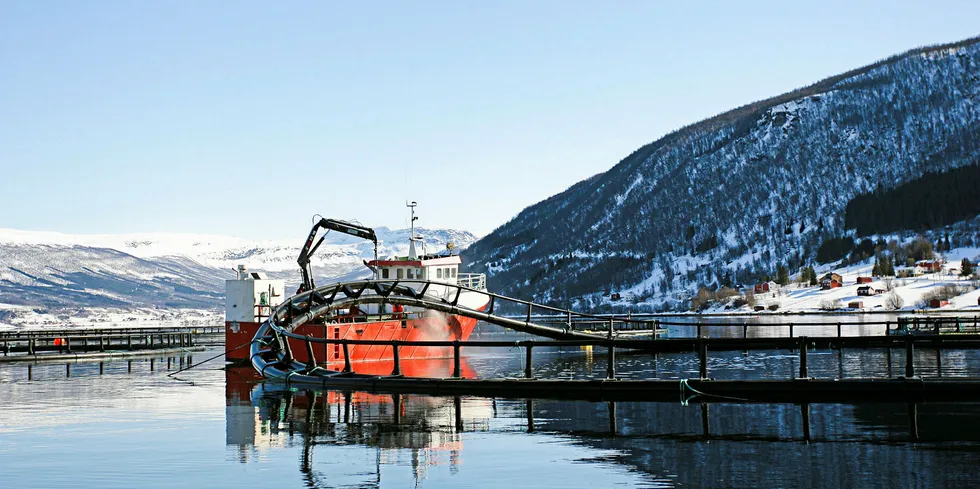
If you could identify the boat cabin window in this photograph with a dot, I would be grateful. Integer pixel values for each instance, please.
(400, 273)
(384, 273)
(411, 273)
(421, 272)
(438, 273)
(454, 273)
(446, 272)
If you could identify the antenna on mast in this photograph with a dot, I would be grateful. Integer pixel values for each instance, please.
(412, 253)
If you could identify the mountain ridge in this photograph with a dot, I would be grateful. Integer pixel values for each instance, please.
(736, 194)
(171, 270)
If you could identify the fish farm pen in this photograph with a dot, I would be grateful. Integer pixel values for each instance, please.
(66, 344)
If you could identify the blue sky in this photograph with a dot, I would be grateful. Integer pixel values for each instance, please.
(246, 118)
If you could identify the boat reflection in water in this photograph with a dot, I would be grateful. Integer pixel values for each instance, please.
(390, 429)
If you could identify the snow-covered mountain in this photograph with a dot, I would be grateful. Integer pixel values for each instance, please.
(729, 198)
(56, 270)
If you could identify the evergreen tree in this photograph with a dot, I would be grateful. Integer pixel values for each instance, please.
(782, 275)
(889, 267)
(876, 270)
(966, 268)
(813, 276)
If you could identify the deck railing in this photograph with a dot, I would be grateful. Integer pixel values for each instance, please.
(476, 281)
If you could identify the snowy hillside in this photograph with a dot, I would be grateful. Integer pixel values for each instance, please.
(728, 199)
(47, 270)
(898, 294)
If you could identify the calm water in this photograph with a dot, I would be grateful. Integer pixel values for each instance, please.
(129, 426)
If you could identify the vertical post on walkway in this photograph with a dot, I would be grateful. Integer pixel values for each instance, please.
(838, 330)
(803, 367)
(745, 330)
(703, 358)
(30, 346)
(395, 355)
(790, 330)
(456, 360)
(699, 329)
(527, 360)
(68, 344)
(909, 354)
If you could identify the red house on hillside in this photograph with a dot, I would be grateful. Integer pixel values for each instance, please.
(930, 266)
(831, 281)
(865, 280)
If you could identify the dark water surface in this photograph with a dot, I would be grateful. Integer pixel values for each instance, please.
(125, 425)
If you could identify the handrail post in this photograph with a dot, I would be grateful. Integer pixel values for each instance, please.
(790, 330)
(803, 366)
(703, 358)
(699, 329)
(347, 367)
(909, 354)
(745, 330)
(527, 361)
(838, 330)
(529, 306)
(397, 368)
(456, 369)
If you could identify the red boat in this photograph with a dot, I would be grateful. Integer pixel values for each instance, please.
(251, 296)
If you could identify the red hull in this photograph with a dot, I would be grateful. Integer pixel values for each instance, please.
(369, 359)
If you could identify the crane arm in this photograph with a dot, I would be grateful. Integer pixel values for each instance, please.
(309, 248)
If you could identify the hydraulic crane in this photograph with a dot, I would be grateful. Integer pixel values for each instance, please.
(330, 225)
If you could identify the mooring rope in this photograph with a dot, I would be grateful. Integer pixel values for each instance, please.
(208, 360)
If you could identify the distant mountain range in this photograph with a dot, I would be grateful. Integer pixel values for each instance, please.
(54, 270)
(728, 199)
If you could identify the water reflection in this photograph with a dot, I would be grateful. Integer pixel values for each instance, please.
(420, 431)
(720, 445)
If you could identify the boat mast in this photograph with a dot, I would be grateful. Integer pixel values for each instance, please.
(412, 252)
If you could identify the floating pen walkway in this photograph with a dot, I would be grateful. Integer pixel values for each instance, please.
(95, 343)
